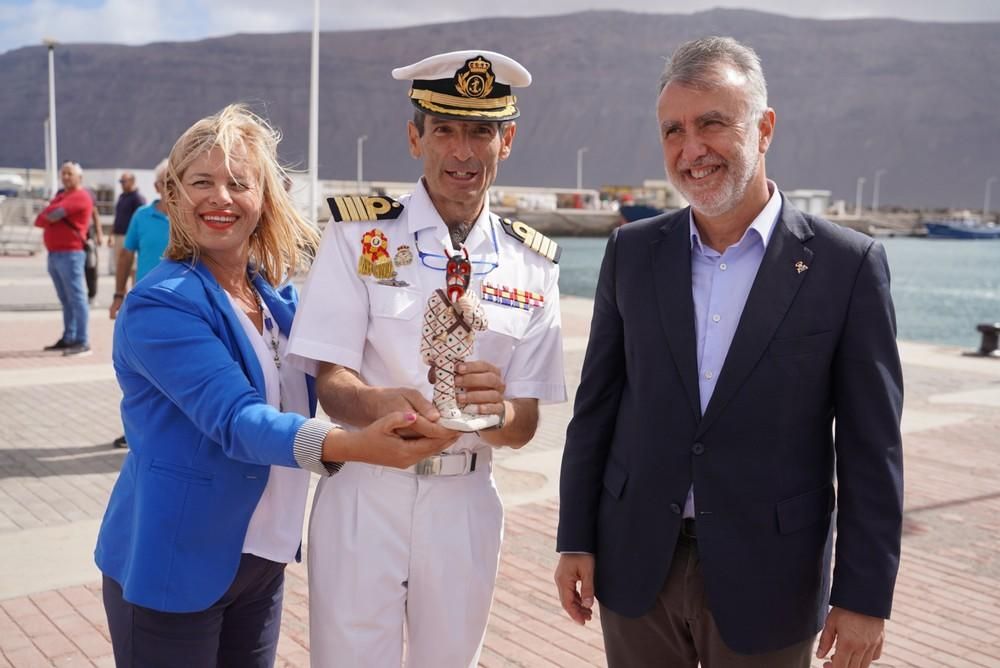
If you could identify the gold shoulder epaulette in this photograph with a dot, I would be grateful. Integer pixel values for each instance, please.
(532, 238)
(352, 208)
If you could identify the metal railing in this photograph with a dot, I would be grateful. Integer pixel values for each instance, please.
(18, 233)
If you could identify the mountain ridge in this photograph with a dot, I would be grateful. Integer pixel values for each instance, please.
(852, 96)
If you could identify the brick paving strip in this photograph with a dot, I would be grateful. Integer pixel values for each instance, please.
(58, 417)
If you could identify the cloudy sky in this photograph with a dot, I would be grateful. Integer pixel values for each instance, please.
(26, 22)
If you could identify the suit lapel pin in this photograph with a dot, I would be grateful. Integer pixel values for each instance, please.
(800, 266)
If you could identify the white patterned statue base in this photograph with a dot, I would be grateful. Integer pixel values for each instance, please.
(459, 421)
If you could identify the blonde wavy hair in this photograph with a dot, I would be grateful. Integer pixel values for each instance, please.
(283, 241)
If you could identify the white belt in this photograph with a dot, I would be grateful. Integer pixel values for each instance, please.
(453, 463)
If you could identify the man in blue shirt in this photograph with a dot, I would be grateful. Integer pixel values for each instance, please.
(147, 237)
(698, 478)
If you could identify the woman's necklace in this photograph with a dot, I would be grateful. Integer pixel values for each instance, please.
(269, 328)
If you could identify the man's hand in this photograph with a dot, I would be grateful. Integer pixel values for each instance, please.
(349, 400)
(574, 568)
(479, 388)
(385, 400)
(116, 304)
(859, 639)
(380, 443)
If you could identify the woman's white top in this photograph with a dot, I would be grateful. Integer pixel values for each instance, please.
(275, 530)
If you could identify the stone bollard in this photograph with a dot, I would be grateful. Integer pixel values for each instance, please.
(990, 343)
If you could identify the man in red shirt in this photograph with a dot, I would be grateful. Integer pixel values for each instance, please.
(65, 221)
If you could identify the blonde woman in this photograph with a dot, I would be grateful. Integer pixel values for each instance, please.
(208, 506)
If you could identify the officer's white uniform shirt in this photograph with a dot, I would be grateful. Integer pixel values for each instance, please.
(374, 328)
(388, 548)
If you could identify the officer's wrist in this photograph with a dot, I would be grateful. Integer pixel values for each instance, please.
(371, 400)
(503, 418)
(119, 295)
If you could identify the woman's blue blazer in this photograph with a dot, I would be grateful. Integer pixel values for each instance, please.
(201, 438)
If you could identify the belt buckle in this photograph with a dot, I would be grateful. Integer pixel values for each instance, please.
(435, 464)
(429, 466)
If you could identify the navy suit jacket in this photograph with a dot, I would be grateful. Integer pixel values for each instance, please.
(815, 347)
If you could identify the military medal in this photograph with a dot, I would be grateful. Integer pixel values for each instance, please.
(404, 256)
(375, 260)
(515, 297)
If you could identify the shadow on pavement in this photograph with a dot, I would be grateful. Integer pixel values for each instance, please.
(29, 354)
(44, 462)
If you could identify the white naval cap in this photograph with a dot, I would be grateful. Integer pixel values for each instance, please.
(466, 85)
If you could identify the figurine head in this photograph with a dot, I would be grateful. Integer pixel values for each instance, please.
(458, 274)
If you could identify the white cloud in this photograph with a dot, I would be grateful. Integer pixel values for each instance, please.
(117, 21)
(140, 22)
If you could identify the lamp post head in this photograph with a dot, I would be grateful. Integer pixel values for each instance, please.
(50, 42)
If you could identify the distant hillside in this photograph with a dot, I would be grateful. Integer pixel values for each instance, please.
(921, 101)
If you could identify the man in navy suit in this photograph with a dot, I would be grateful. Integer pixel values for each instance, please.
(702, 466)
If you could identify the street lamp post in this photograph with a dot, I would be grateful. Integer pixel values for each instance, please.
(857, 196)
(361, 160)
(986, 200)
(579, 166)
(878, 180)
(48, 151)
(53, 155)
(314, 120)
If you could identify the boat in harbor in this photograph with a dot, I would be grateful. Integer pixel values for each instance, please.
(962, 228)
(633, 212)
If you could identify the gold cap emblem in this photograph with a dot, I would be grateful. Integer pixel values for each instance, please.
(475, 79)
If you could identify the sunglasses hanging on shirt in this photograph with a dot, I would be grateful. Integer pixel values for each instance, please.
(439, 262)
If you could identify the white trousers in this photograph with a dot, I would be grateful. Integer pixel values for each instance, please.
(391, 551)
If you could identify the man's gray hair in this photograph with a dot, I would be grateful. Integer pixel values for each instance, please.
(160, 171)
(75, 166)
(694, 64)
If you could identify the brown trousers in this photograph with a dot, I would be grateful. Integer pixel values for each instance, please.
(680, 630)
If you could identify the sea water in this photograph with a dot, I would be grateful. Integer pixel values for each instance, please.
(941, 288)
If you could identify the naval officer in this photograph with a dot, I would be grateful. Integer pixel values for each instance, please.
(418, 549)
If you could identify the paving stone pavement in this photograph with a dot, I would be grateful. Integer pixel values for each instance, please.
(58, 418)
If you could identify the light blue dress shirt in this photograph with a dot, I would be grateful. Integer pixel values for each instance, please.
(148, 235)
(720, 284)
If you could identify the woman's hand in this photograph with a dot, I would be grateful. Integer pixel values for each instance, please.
(380, 443)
